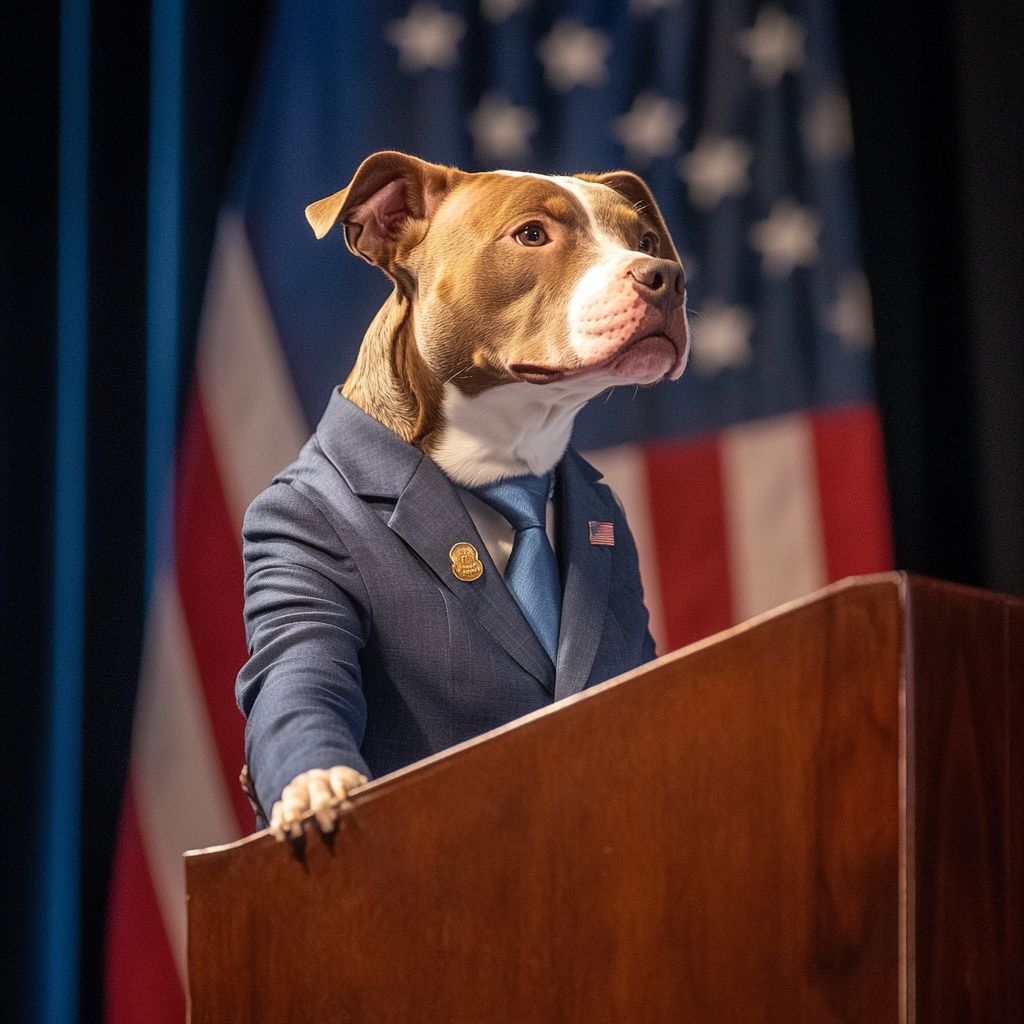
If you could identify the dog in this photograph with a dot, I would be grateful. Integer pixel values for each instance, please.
(517, 298)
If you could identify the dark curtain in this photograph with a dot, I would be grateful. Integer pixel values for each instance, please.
(220, 53)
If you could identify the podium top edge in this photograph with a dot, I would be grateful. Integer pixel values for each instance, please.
(895, 579)
(902, 582)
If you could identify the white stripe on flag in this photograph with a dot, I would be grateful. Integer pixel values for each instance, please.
(773, 515)
(625, 473)
(255, 421)
(179, 789)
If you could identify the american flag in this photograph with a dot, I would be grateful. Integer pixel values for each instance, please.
(755, 479)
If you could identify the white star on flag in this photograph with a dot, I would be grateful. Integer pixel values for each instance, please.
(787, 239)
(850, 315)
(497, 11)
(501, 130)
(716, 168)
(774, 45)
(426, 37)
(721, 337)
(650, 129)
(573, 54)
(827, 131)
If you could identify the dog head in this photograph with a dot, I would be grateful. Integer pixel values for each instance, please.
(518, 298)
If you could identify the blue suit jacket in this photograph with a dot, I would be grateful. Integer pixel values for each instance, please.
(366, 650)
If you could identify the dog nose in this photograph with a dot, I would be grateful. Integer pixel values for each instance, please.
(656, 278)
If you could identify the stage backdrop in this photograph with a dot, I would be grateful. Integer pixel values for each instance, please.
(756, 478)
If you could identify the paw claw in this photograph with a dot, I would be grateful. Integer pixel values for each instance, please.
(319, 790)
(327, 817)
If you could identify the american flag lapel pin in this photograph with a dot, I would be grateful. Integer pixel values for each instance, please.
(602, 533)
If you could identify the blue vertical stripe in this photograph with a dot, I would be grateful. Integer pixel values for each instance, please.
(163, 271)
(57, 991)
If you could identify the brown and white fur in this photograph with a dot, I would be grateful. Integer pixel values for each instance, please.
(518, 298)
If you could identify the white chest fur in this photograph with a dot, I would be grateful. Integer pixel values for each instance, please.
(509, 430)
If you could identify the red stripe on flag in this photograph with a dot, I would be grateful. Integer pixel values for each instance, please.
(852, 490)
(210, 582)
(688, 517)
(142, 983)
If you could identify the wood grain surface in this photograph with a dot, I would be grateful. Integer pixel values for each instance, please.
(715, 837)
(968, 670)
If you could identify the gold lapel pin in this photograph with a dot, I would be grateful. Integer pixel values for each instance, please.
(466, 563)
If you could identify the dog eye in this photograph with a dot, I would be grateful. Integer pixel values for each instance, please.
(648, 244)
(532, 235)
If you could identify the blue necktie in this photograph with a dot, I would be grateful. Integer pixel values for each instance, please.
(532, 572)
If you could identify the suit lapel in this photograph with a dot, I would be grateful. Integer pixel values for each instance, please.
(586, 574)
(431, 518)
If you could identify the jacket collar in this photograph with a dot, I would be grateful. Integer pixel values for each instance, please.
(377, 465)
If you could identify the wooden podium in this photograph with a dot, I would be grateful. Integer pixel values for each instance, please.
(815, 816)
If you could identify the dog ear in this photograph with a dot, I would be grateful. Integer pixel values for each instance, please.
(324, 212)
(630, 187)
(388, 191)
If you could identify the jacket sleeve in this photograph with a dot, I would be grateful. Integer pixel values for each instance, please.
(306, 620)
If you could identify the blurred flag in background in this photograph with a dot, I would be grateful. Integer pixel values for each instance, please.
(755, 479)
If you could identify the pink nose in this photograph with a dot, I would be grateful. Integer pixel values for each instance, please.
(658, 280)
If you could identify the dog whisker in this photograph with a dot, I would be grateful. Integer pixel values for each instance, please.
(457, 372)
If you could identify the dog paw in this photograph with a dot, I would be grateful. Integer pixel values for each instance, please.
(320, 790)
